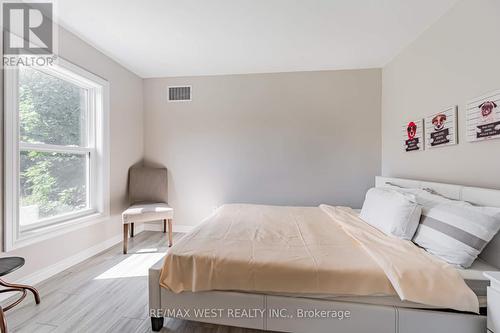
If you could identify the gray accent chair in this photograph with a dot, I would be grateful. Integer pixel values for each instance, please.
(148, 193)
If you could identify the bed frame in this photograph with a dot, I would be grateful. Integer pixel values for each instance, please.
(279, 312)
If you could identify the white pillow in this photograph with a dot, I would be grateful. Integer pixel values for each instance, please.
(392, 212)
(457, 233)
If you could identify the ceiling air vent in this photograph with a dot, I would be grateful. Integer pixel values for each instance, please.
(179, 94)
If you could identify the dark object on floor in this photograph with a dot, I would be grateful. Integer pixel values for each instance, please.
(8, 265)
(156, 323)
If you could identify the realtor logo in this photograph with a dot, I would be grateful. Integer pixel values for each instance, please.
(29, 33)
(28, 28)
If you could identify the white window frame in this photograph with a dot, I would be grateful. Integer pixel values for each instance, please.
(97, 148)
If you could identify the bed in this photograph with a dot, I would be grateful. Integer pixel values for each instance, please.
(378, 309)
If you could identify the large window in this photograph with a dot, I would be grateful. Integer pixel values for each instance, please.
(56, 150)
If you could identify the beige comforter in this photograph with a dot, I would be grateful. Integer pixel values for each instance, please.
(310, 250)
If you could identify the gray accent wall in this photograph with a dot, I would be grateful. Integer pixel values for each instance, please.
(456, 59)
(301, 138)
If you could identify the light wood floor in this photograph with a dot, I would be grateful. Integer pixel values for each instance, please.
(106, 293)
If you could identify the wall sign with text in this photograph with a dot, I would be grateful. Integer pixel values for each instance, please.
(413, 139)
(441, 128)
(483, 118)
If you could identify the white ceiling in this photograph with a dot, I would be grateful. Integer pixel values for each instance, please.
(156, 38)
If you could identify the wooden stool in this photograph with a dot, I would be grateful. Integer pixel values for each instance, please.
(8, 265)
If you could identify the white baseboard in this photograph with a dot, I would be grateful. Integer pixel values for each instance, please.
(176, 227)
(47, 272)
(60, 266)
(138, 229)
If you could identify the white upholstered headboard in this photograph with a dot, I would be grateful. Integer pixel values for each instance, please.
(474, 195)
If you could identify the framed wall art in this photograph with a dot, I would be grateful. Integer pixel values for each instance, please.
(483, 118)
(441, 128)
(413, 139)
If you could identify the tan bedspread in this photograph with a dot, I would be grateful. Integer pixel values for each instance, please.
(323, 250)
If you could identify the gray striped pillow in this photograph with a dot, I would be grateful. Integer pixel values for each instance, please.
(457, 233)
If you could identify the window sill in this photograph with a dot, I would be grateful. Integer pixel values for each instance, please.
(51, 231)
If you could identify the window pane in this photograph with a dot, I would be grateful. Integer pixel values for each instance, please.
(51, 110)
(51, 184)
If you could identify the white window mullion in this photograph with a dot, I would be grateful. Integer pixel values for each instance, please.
(53, 148)
(91, 185)
(92, 194)
(11, 170)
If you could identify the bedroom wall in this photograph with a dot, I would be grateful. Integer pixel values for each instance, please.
(456, 59)
(126, 149)
(288, 139)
